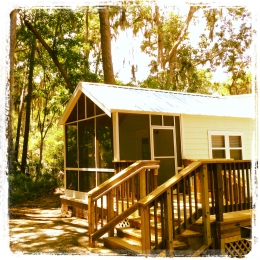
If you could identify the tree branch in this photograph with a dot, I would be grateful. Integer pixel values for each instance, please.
(51, 53)
(173, 52)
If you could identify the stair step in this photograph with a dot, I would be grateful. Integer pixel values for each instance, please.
(136, 222)
(134, 234)
(123, 245)
(200, 250)
(128, 246)
(191, 233)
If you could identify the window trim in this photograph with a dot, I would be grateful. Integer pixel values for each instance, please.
(227, 147)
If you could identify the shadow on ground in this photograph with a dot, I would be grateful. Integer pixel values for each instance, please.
(36, 229)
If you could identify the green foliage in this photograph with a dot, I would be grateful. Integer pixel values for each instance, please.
(24, 187)
(74, 37)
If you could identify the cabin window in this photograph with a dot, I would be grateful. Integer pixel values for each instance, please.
(226, 145)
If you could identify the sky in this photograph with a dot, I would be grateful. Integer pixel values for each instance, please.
(126, 51)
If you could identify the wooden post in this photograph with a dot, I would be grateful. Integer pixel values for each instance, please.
(155, 176)
(115, 120)
(219, 207)
(91, 221)
(219, 242)
(142, 184)
(110, 211)
(219, 192)
(205, 204)
(169, 225)
(145, 229)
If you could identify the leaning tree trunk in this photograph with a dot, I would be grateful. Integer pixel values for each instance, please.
(10, 149)
(18, 130)
(51, 53)
(28, 107)
(109, 77)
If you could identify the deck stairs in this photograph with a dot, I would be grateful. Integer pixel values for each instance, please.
(128, 237)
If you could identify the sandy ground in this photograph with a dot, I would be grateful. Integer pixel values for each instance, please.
(37, 227)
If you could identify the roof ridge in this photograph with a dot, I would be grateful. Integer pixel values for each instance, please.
(152, 89)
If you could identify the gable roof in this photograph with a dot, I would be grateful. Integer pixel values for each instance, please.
(112, 98)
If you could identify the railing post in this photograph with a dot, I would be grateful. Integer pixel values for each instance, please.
(91, 221)
(205, 204)
(219, 192)
(155, 177)
(142, 184)
(145, 229)
(219, 208)
(169, 225)
(110, 210)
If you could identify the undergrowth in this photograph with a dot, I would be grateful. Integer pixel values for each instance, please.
(23, 187)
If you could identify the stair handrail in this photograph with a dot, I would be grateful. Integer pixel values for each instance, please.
(144, 207)
(106, 188)
(169, 183)
(200, 166)
(120, 177)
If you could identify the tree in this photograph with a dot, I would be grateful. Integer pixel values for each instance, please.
(10, 149)
(28, 106)
(109, 77)
(51, 53)
(56, 37)
(175, 61)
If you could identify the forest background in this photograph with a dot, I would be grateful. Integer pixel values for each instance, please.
(49, 50)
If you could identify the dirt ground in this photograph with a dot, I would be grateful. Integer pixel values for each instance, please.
(37, 227)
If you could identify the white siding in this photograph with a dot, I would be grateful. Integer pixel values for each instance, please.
(195, 134)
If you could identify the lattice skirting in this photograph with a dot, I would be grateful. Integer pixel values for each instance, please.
(238, 248)
(124, 223)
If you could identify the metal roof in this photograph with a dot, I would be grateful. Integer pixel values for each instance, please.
(111, 98)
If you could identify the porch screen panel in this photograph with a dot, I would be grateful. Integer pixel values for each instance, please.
(81, 107)
(87, 181)
(73, 115)
(104, 176)
(71, 145)
(163, 142)
(156, 119)
(166, 170)
(104, 136)
(133, 137)
(86, 144)
(178, 140)
(90, 108)
(72, 180)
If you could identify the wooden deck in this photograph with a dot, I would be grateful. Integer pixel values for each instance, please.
(203, 206)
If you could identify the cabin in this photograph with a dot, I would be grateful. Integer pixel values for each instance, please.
(160, 172)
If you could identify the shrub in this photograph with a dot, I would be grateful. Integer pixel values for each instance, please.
(23, 187)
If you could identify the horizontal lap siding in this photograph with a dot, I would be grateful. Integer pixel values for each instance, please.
(195, 134)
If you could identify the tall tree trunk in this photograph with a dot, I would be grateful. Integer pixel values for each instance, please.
(10, 149)
(86, 51)
(28, 107)
(109, 77)
(159, 39)
(18, 131)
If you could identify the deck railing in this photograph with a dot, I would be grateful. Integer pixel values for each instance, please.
(218, 186)
(115, 199)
